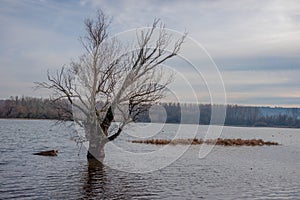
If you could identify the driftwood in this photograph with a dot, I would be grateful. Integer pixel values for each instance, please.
(47, 153)
(219, 141)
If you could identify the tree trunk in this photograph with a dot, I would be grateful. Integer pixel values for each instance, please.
(98, 135)
(96, 150)
(97, 141)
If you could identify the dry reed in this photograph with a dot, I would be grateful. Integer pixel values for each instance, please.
(219, 141)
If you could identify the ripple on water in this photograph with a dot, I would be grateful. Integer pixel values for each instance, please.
(226, 173)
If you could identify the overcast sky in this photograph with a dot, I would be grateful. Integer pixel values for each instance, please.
(255, 44)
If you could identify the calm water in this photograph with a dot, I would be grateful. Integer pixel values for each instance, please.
(268, 172)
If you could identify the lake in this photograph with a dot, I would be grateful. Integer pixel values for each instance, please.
(140, 171)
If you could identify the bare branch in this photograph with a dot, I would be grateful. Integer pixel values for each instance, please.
(107, 79)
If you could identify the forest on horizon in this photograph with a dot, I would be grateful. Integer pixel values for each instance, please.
(236, 115)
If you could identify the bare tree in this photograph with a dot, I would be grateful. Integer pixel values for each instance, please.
(111, 83)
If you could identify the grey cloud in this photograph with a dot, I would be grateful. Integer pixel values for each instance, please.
(248, 40)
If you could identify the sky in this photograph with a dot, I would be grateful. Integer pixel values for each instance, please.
(255, 44)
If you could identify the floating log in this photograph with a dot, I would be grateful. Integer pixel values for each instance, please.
(47, 153)
(219, 141)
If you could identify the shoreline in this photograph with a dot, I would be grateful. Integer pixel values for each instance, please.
(226, 125)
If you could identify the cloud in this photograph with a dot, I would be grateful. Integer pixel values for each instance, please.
(33, 41)
(226, 29)
(254, 43)
(259, 87)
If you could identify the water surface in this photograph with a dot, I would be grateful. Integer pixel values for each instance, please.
(263, 172)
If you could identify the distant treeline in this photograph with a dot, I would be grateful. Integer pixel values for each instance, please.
(38, 108)
(34, 108)
(235, 115)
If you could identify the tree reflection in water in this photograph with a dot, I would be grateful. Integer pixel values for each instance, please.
(102, 182)
(94, 180)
